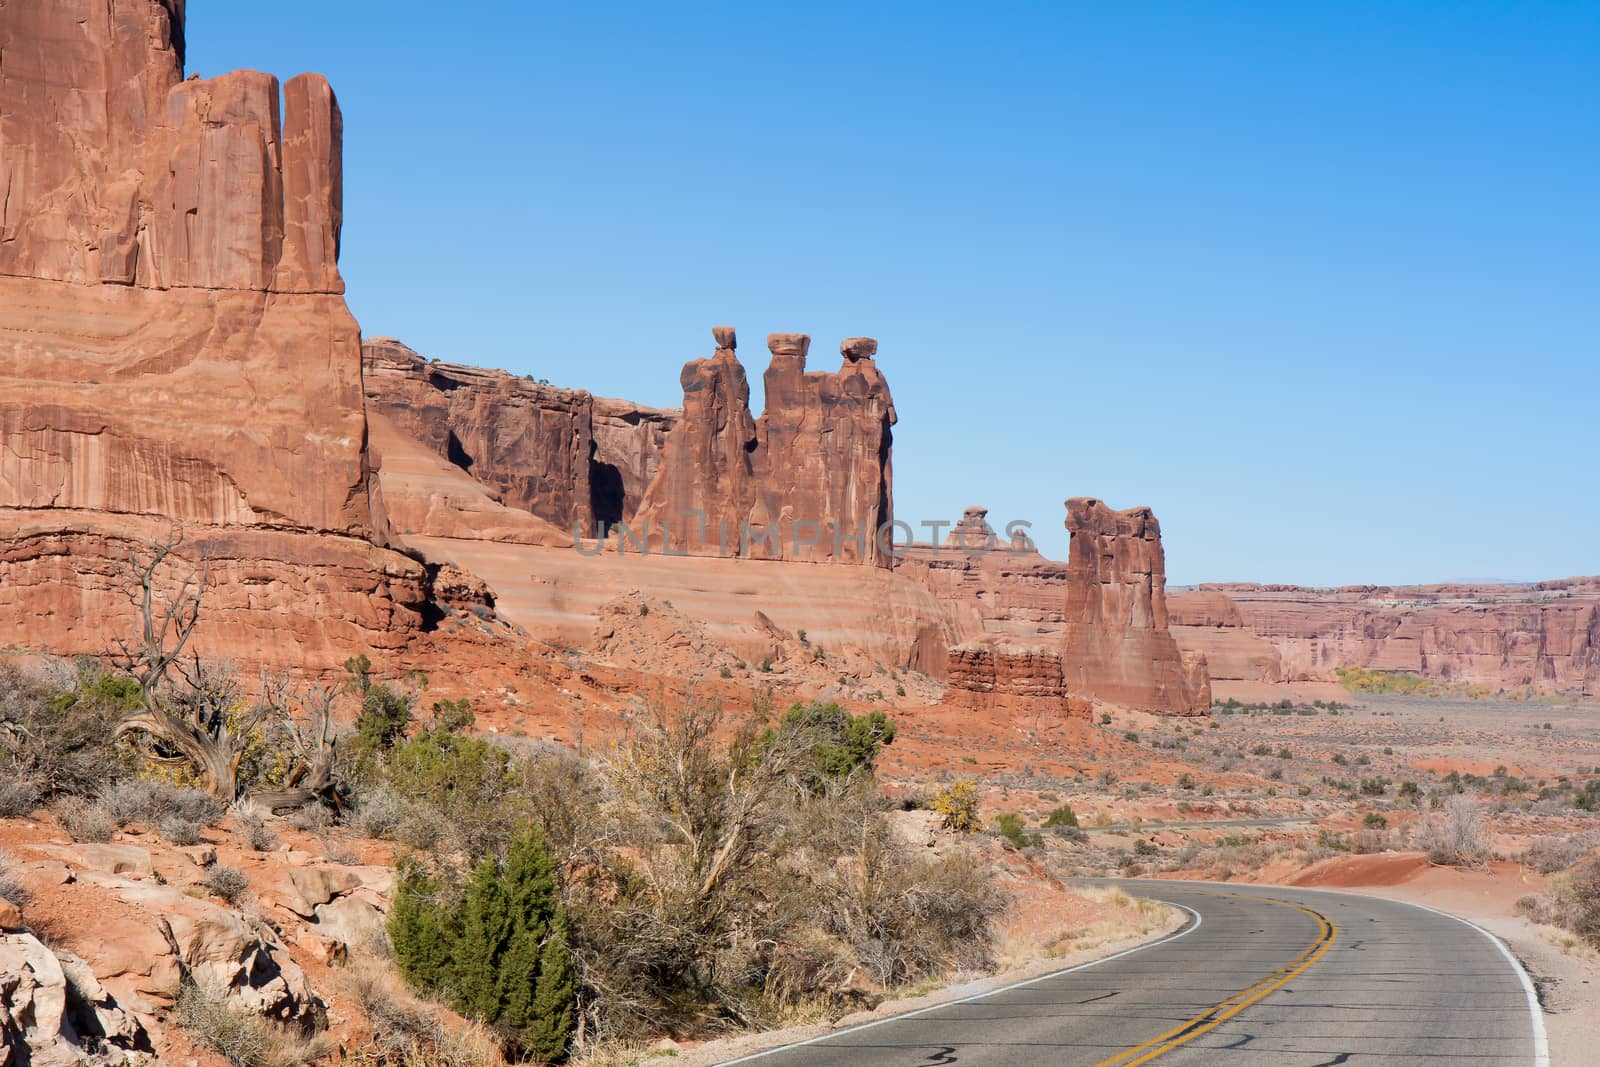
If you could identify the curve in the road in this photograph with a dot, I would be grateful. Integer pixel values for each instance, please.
(1224, 1010)
(1300, 978)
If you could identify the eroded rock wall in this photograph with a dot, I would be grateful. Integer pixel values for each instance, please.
(1503, 636)
(562, 455)
(1116, 644)
(173, 342)
(1012, 680)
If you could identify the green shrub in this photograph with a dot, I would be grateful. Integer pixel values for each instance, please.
(463, 787)
(1062, 816)
(385, 715)
(840, 744)
(1013, 828)
(497, 949)
(1142, 847)
(1374, 820)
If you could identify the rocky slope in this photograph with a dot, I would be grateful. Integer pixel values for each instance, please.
(174, 345)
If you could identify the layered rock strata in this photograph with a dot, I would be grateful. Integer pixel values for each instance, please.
(1013, 680)
(1541, 636)
(173, 342)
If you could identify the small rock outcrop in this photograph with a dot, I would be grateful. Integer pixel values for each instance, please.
(54, 1013)
(1015, 680)
(809, 480)
(1116, 645)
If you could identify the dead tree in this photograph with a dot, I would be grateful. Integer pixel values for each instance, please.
(315, 745)
(197, 709)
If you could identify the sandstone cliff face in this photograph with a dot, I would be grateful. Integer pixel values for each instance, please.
(562, 455)
(1544, 636)
(172, 339)
(1210, 624)
(809, 480)
(117, 170)
(703, 491)
(1116, 644)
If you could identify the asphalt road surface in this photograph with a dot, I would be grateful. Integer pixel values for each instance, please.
(1261, 975)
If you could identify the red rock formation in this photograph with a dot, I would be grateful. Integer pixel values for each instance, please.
(173, 340)
(565, 456)
(700, 500)
(1208, 623)
(823, 465)
(1010, 679)
(809, 480)
(991, 587)
(1543, 636)
(1116, 644)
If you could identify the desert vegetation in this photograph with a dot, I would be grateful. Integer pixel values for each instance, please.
(709, 871)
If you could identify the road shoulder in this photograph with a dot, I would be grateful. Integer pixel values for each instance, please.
(731, 1048)
(1567, 984)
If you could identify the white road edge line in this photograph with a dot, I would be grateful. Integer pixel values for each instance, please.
(1541, 1041)
(1187, 930)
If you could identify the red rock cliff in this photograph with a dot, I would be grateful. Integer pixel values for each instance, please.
(1503, 636)
(173, 344)
(563, 455)
(809, 480)
(1116, 644)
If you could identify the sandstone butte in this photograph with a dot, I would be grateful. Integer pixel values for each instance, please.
(175, 345)
(177, 350)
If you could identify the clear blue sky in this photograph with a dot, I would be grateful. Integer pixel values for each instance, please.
(1320, 283)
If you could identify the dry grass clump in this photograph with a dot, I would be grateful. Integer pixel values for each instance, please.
(1547, 855)
(249, 821)
(10, 888)
(239, 1037)
(1459, 837)
(88, 821)
(1571, 902)
(408, 1033)
(19, 796)
(229, 883)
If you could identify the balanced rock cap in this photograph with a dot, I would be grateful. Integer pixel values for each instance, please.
(726, 338)
(854, 348)
(789, 344)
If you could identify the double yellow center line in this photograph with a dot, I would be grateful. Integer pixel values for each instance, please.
(1221, 1012)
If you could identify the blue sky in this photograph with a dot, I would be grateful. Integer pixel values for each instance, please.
(1320, 283)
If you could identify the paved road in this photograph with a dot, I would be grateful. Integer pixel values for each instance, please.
(1265, 976)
